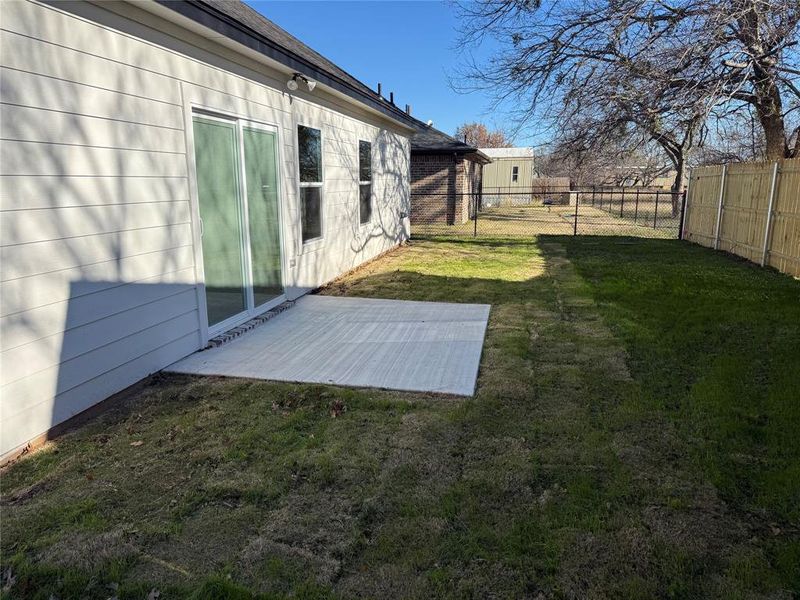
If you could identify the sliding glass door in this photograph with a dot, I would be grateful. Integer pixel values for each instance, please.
(218, 190)
(262, 203)
(237, 187)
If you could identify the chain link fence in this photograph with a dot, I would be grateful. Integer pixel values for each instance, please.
(500, 212)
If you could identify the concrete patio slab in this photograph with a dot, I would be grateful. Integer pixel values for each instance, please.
(360, 342)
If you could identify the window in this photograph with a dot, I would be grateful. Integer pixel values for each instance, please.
(309, 149)
(364, 182)
(514, 173)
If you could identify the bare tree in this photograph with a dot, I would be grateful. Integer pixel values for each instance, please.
(627, 159)
(590, 70)
(752, 59)
(661, 66)
(479, 136)
(733, 136)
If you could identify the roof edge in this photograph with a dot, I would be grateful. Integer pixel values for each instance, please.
(208, 16)
(484, 159)
(512, 152)
(465, 150)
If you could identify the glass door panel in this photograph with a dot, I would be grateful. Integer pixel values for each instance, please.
(217, 159)
(260, 165)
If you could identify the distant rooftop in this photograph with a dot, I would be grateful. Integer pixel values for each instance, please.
(429, 140)
(521, 152)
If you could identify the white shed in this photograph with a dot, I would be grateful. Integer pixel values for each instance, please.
(162, 181)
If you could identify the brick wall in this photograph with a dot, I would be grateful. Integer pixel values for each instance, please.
(441, 188)
(433, 188)
(470, 186)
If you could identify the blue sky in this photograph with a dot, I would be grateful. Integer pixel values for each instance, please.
(408, 46)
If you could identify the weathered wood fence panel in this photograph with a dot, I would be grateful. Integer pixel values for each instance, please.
(748, 209)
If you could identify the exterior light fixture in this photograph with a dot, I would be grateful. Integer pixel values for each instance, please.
(292, 84)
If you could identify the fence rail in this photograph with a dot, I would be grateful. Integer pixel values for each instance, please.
(501, 212)
(748, 209)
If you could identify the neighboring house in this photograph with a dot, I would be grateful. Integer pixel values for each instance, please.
(446, 177)
(165, 177)
(511, 169)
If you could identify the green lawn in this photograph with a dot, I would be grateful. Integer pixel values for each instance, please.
(634, 434)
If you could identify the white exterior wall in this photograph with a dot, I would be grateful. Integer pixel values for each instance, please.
(101, 263)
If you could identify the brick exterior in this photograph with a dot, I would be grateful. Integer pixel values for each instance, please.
(441, 188)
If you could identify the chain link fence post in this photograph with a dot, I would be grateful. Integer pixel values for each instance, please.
(655, 212)
(575, 223)
(475, 218)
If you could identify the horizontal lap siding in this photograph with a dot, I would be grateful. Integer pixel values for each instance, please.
(39, 158)
(54, 58)
(24, 227)
(23, 123)
(51, 191)
(20, 88)
(40, 417)
(98, 283)
(57, 254)
(29, 359)
(72, 372)
(96, 248)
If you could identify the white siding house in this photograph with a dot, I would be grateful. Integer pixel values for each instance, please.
(126, 244)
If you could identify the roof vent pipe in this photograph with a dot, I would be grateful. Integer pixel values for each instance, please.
(379, 90)
(408, 109)
(391, 97)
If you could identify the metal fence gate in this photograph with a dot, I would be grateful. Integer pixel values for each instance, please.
(624, 211)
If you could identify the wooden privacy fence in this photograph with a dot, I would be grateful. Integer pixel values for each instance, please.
(748, 209)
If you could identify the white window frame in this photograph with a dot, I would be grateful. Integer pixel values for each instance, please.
(305, 244)
(514, 173)
(360, 183)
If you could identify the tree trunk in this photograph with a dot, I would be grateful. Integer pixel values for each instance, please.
(770, 113)
(774, 132)
(766, 94)
(676, 186)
